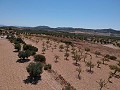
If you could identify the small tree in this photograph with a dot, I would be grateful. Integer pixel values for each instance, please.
(77, 58)
(61, 47)
(102, 84)
(104, 59)
(55, 46)
(56, 58)
(90, 65)
(115, 68)
(17, 47)
(110, 76)
(79, 71)
(39, 58)
(66, 55)
(87, 50)
(43, 50)
(97, 53)
(98, 64)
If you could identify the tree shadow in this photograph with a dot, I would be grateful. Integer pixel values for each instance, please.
(91, 72)
(15, 51)
(23, 60)
(76, 64)
(32, 80)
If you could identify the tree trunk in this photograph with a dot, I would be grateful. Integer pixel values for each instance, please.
(90, 69)
(79, 75)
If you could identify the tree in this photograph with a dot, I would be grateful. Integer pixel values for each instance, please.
(77, 58)
(79, 71)
(115, 68)
(61, 47)
(102, 84)
(66, 48)
(97, 53)
(56, 58)
(39, 58)
(34, 70)
(110, 76)
(90, 65)
(43, 50)
(23, 55)
(105, 59)
(17, 46)
(66, 55)
(55, 46)
(87, 50)
(98, 64)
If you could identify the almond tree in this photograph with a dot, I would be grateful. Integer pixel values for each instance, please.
(104, 59)
(43, 44)
(110, 76)
(61, 47)
(90, 65)
(116, 68)
(55, 46)
(79, 71)
(97, 53)
(56, 58)
(43, 50)
(77, 58)
(79, 50)
(102, 84)
(66, 55)
(98, 64)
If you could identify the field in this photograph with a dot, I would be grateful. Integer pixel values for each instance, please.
(14, 73)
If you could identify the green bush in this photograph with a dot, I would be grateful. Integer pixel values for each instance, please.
(23, 55)
(39, 58)
(17, 47)
(34, 69)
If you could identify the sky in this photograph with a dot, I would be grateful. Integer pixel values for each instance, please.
(96, 14)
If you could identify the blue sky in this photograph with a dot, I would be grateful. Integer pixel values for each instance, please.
(61, 13)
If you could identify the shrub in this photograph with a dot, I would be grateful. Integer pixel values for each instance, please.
(17, 46)
(39, 58)
(23, 55)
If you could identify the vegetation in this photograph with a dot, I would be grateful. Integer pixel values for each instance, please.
(102, 84)
(39, 58)
(61, 47)
(98, 64)
(17, 47)
(22, 55)
(79, 71)
(90, 65)
(66, 55)
(34, 70)
(97, 53)
(56, 58)
(116, 68)
(48, 67)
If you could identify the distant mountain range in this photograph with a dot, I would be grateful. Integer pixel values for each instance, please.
(68, 29)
